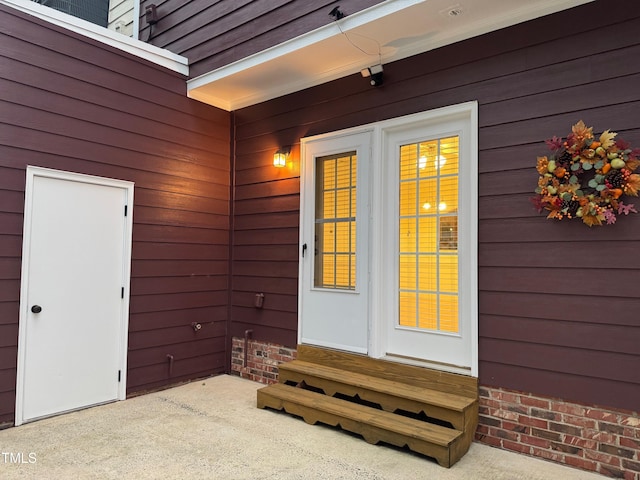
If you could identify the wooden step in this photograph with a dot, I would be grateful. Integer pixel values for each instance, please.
(421, 377)
(342, 388)
(390, 395)
(374, 425)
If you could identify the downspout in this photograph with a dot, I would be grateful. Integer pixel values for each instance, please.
(232, 189)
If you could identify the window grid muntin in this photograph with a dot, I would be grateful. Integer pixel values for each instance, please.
(420, 177)
(341, 186)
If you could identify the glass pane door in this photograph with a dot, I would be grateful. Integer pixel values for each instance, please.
(334, 261)
(428, 235)
(335, 222)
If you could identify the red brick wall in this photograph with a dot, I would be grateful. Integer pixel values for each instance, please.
(587, 437)
(262, 360)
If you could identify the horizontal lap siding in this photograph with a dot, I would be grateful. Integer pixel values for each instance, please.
(71, 104)
(265, 258)
(558, 301)
(214, 34)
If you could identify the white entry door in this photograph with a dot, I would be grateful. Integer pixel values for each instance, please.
(75, 290)
(429, 240)
(334, 268)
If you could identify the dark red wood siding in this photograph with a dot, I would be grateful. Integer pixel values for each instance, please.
(214, 34)
(72, 104)
(558, 302)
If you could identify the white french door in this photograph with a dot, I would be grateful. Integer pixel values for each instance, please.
(334, 260)
(389, 240)
(430, 214)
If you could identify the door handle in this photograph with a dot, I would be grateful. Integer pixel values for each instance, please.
(304, 249)
(36, 309)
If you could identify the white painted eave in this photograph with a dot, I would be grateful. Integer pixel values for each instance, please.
(389, 31)
(159, 56)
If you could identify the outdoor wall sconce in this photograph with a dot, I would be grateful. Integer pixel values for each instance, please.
(374, 73)
(280, 158)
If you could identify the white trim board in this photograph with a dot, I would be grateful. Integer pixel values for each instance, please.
(140, 49)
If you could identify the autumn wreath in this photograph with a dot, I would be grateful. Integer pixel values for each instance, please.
(587, 178)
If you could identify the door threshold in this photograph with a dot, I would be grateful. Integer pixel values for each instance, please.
(419, 362)
(64, 412)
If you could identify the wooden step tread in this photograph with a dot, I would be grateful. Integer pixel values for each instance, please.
(463, 385)
(389, 387)
(353, 412)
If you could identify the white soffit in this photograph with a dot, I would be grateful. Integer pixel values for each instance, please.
(389, 31)
(141, 49)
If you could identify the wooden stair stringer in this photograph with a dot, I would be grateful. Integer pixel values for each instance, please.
(343, 389)
(373, 425)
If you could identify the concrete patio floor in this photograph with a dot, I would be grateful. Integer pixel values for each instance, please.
(211, 429)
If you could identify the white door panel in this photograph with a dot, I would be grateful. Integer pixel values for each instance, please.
(334, 313)
(76, 269)
(444, 262)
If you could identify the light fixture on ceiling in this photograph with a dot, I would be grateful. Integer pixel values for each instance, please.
(280, 157)
(374, 73)
(438, 163)
(452, 11)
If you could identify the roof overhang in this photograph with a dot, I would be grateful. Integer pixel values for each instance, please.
(149, 52)
(386, 32)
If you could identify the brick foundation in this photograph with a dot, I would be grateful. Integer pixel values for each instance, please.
(262, 360)
(590, 438)
(586, 437)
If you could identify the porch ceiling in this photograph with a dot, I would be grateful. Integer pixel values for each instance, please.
(389, 31)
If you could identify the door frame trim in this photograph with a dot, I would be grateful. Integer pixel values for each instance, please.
(379, 305)
(31, 173)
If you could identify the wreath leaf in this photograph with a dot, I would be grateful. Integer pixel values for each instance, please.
(632, 164)
(606, 139)
(581, 131)
(633, 185)
(592, 220)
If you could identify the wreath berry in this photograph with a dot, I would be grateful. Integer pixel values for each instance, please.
(587, 178)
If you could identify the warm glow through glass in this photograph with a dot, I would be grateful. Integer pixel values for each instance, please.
(335, 222)
(428, 236)
(279, 159)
